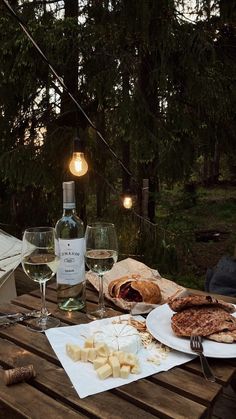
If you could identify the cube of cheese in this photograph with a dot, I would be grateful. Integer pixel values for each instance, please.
(99, 362)
(124, 371)
(136, 369)
(129, 359)
(73, 351)
(119, 355)
(104, 371)
(92, 354)
(88, 343)
(115, 365)
(102, 349)
(84, 354)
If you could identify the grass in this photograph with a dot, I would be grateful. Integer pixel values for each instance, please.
(170, 247)
(214, 209)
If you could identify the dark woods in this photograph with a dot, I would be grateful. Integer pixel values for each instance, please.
(155, 77)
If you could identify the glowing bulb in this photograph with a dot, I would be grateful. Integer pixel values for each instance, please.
(128, 202)
(78, 165)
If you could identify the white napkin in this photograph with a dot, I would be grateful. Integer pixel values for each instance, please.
(128, 267)
(84, 377)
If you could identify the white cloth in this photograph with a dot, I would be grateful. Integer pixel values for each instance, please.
(84, 377)
(10, 255)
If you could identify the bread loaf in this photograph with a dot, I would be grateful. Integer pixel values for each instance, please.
(135, 290)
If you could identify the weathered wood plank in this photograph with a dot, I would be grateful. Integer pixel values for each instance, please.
(91, 296)
(31, 341)
(53, 380)
(51, 295)
(25, 399)
(183, 386)
(225, 406)
(188, 385)
(7, 413)
(31, 302)
(223, 370)
(154, 398)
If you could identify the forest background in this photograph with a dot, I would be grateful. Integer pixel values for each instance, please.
(157, 79)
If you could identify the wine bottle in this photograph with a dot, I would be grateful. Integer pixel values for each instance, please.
(71, 249)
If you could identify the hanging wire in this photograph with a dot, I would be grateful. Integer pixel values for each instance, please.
(61, 82)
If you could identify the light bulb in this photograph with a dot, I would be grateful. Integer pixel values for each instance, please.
(128, 202)
(78, 165)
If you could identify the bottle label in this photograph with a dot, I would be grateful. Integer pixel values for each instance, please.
(71, 269)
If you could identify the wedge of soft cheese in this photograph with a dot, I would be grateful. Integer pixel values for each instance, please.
(119, 337)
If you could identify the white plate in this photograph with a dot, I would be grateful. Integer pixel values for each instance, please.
(159, 325)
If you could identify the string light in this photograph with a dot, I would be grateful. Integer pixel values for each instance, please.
(64, 86)
(128, 199)
(78, 165)
(127, 202)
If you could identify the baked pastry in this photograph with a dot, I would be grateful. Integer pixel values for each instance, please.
(135, 290)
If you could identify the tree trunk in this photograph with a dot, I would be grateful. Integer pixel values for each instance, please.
(125, 143)
(216, 162)
(68, 108)
(150, 170)
(227, 10)
(205, 174)
(100, 162)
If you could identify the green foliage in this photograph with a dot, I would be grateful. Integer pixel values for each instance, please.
(149, 78)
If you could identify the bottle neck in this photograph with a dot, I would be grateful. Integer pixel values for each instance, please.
(69, 209)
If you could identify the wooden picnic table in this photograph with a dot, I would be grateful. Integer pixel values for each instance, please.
(181, 392)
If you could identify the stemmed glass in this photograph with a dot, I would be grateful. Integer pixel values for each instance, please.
(40, 263)
(101, 254)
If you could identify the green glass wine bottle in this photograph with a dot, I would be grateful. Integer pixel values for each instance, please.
(71, 249)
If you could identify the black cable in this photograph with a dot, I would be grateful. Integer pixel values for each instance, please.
(60, 80)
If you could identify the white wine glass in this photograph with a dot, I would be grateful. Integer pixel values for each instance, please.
(101, 254)
(40, 263)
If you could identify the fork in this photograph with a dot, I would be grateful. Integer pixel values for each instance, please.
(196, 346)
(13, 318)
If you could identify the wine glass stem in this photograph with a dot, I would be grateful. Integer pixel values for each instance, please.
(101, 296)
(44, 311)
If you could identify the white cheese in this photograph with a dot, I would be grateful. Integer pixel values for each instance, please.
(119, 337)
(88, 343)
(124, 371)
(115, 365)
(92, 354)
(73, 351)
(84, 352)
(104, 371)
(99, 362)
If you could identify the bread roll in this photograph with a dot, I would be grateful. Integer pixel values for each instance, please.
(135, 290)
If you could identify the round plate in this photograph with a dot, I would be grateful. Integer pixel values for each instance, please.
(159, 325)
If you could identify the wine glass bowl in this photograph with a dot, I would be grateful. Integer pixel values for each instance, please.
(101, 254)
(40, 263)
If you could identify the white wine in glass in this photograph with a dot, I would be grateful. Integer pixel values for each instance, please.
(101, 254)
(40, 263)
